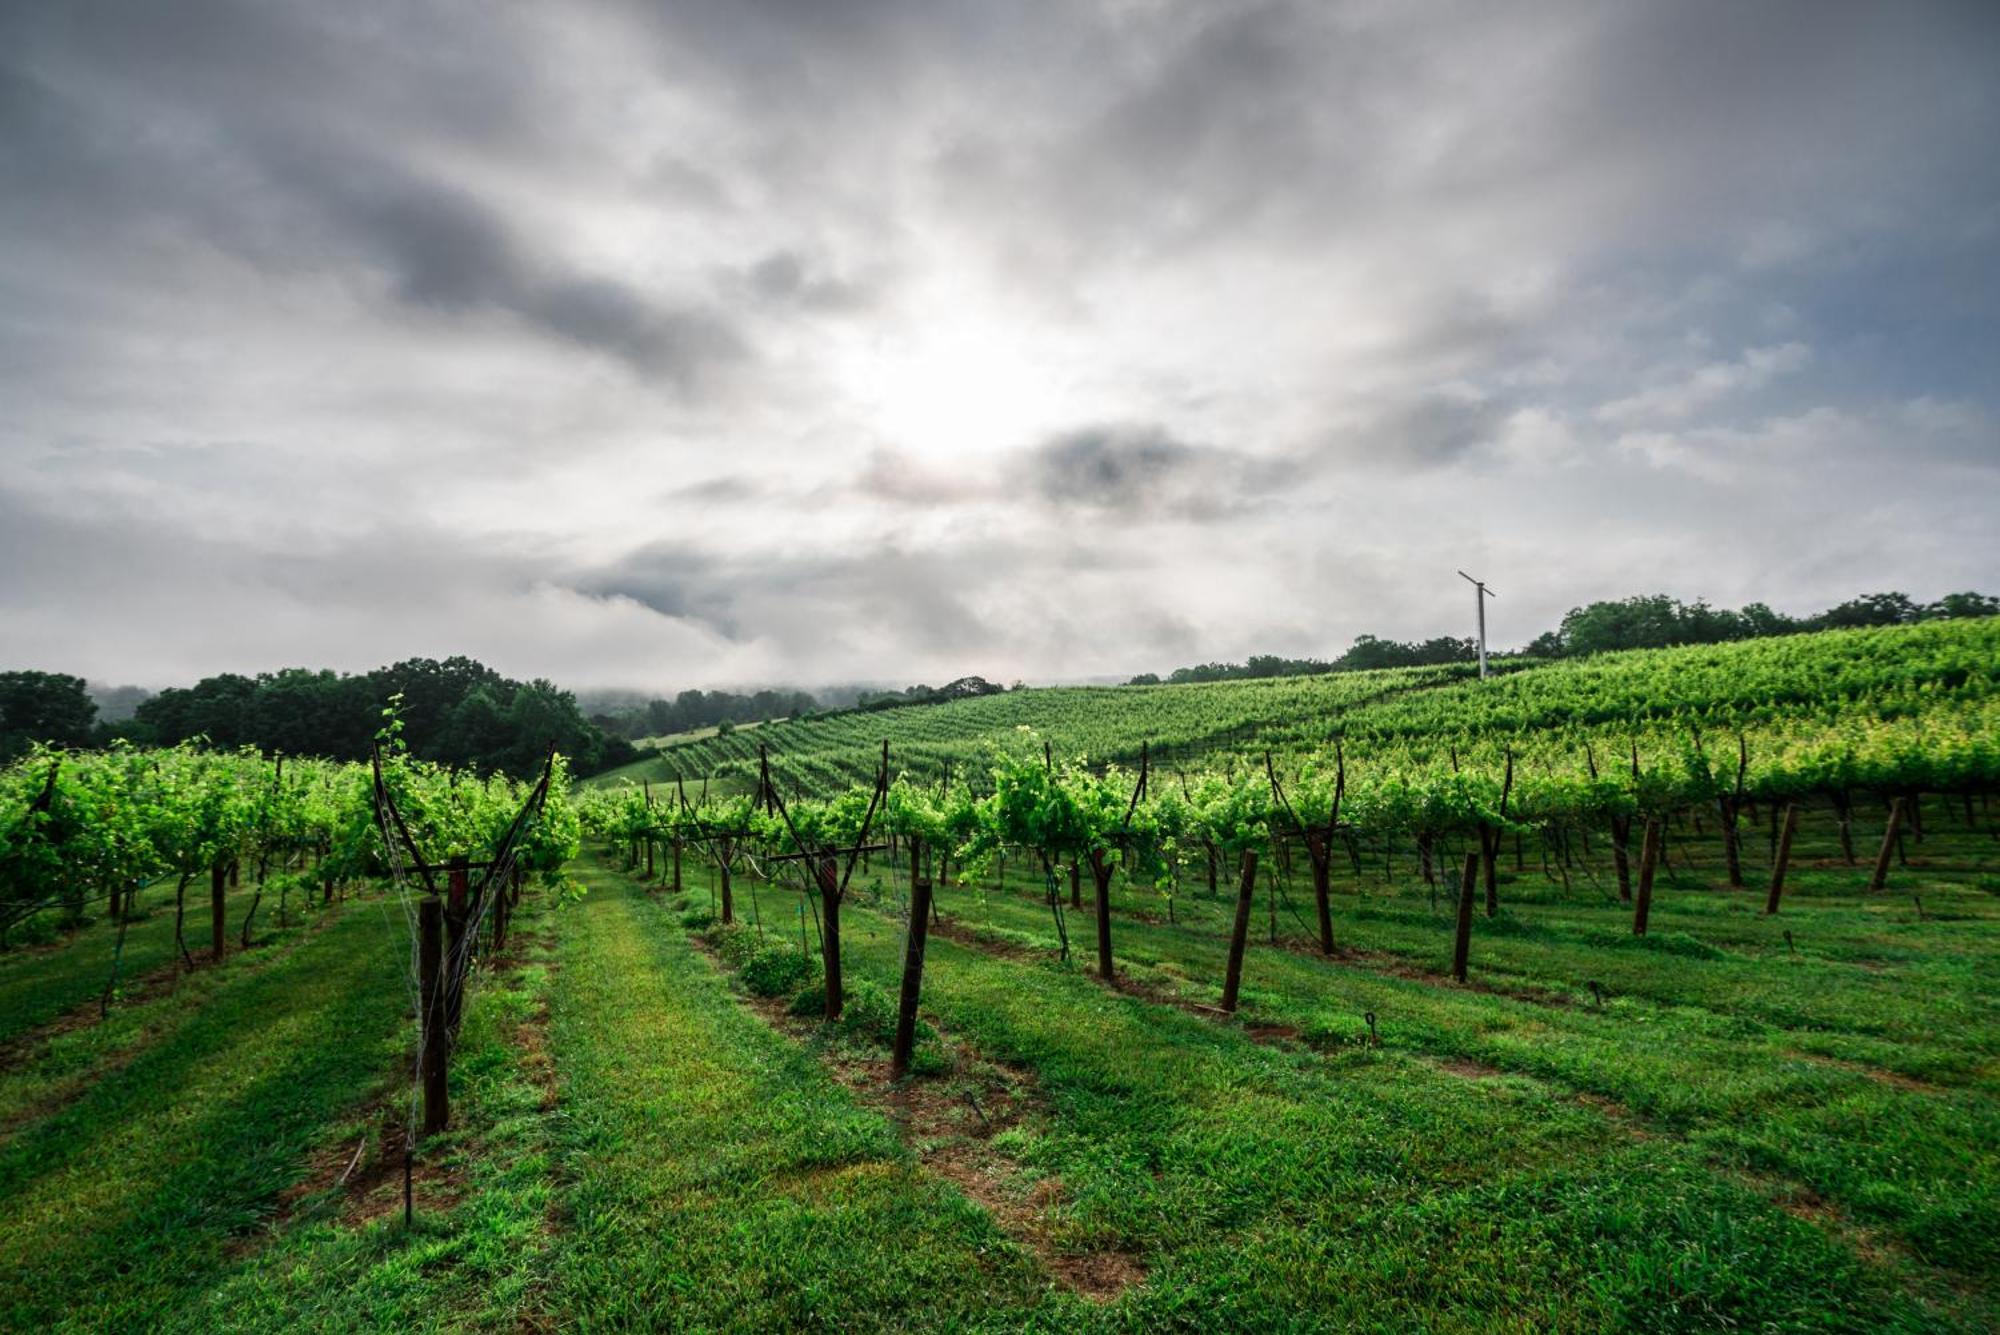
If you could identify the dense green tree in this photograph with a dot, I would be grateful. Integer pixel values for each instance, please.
(217, 708)
(1871, 609)
(300, 712)
(48, 707)
(1967, 604)
(456, 710)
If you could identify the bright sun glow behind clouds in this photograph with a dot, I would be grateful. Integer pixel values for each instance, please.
(957, 375)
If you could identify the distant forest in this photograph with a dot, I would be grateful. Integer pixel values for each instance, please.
(710, 709)
(461, 712)
(456, 711)
(1644, 621)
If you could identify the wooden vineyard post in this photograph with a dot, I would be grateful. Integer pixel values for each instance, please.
(1489, 842)
(498, 897)
(913, 965)
(218, 883)
(1782, 859)
(1880, 877)
(1492, 895)
(431, 998)
(1100, 875)
(1321, 856)
(1731, 853)
(829, 934)
(722, 880)
(1649, 860)
(1240, 932)
(1621, 856)
(459, 885)
(1461, 942)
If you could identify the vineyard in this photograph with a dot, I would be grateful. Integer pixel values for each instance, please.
(1649, 990)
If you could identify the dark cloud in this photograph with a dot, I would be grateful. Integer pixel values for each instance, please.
(816, 602)
(1430, 431)
(1143, 471)
(788, 278)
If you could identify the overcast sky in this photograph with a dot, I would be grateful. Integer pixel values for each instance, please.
(730, 343)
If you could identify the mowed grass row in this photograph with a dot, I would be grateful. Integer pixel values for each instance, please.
(1921, 1162)
(164, 1196)
(40, 983)
(719, 1179)
(1853, 976)
(1273, 1186)
(122, 1206)
(50, 1066)
(486, 1194)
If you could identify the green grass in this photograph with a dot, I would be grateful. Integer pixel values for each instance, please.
(1744, 1135)
(720, 1179)
(1314, 1179)
(124, 1203)
(479, 1251)
(39, 983)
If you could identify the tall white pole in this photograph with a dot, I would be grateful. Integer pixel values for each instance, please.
(1480, 593)
(1479, 597)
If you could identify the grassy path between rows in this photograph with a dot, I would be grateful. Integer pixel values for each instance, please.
(1772, 1079)
(1274, 1186)
(637, 1146)
(39, 983)
(120, 1206)
(718, 1179)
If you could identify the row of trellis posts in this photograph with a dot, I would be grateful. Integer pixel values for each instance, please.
(1318, 838)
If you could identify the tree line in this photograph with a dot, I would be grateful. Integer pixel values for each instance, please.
(691, 710)
(455, 711)
(1643, 621)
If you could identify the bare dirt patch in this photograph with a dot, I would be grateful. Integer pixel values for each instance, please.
(1894, 1079)
(1469, 1069)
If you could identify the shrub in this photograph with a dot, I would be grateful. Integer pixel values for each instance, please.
(736, 943)
(697, 920)
(870, 1013)
(775, 971)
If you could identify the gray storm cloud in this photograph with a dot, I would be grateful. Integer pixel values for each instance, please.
(660, 345)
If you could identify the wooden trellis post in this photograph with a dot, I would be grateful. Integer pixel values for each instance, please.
(1461, 945)
(431, 999)
(218, 883)
(913, 964)
(1880, 877)
(1782, 859)
(1649, 857)
(1240, 932)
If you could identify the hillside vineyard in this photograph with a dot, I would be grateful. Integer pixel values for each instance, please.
(1650, 989)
